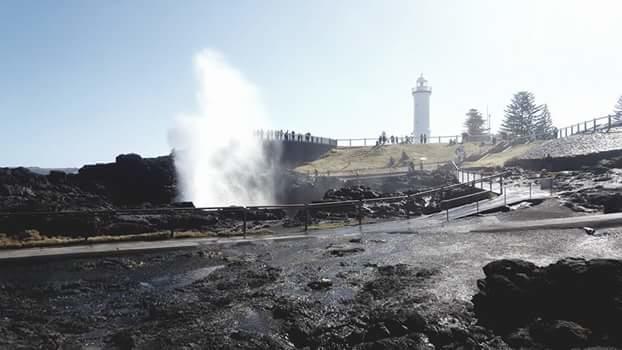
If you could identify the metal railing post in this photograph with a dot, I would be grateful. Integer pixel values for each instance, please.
(95, 228)
(530, 190)
(505, 198)
(490, 185)
(609, 117)
(500, 184)
(447, 213)
(594, 125)
(477, 207)
(244, 219)
(172, 230)
(306, 213)
(360, 212)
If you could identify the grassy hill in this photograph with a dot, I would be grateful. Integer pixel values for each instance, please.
(498, 159)
(363, 158)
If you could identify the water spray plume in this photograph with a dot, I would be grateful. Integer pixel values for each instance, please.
(218, 161)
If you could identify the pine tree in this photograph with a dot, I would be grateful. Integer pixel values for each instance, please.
(521, 115)
(544, 124)
(474, 122)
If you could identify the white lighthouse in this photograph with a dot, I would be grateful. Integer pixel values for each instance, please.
(421, 95)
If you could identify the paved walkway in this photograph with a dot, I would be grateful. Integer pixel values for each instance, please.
(128, 247)
(600, 220)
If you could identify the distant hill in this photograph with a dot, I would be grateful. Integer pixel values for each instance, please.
(46, 171)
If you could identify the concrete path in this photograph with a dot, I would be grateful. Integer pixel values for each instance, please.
(128, 247)
(600, 220)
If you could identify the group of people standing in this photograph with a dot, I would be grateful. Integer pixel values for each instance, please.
(285, 135)
(383, 139)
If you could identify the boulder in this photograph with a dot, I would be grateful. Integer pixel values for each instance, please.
(585, 294)
(558, 334)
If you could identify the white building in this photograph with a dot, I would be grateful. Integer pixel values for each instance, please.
(421, 95)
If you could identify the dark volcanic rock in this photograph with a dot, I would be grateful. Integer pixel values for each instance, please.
(343, 251)
(351, 193)
(322, 283)
(132, 180)
(413, 206)
(560, 334)
(613, 203)
(123, 340)
(24, 191)
(562, 304)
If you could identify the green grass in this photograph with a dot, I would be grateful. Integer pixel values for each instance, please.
(498, 159)
(362, 158)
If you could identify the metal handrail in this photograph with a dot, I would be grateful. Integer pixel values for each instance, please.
(589, 126)
(446, 201)
(244, 210)
(252, 207)
(400, 140)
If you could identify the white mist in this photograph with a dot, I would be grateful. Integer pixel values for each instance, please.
(218, 161)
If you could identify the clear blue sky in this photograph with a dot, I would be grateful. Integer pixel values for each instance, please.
(82, 81)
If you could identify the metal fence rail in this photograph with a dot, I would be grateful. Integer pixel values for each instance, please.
(245, 210)
(602, 124)
(371, 141)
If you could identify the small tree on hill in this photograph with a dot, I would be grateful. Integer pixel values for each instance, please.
(521, 115)
(544, 125)
(474, 122)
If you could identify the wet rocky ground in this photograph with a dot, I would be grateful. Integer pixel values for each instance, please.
(409, 288)
(598, 189)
